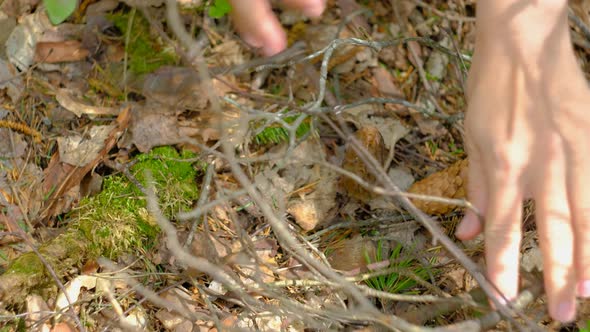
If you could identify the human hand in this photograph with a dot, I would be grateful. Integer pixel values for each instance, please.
(259, 27)
(528, 135)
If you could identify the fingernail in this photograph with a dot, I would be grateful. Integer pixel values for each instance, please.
(584, 288)
(565, 312)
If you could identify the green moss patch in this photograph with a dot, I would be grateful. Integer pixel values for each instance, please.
(109, 224)
(145, 52)
(117, 221)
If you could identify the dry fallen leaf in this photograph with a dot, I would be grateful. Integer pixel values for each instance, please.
(316, 207)
(66, 99)
(17, 8)
(171, 320)
(38, 311)
(20, 46)
(350, 8)
(384, 82)
(351, 254)
(451, 182)
(309, 190)
(20, 180)
(181, 298)
(73, 288)
(152, 126)
(60, 177)
(367, 115)
(10, 80)
(63, 51)
(79, 150)
(370, 139)
(63, 327)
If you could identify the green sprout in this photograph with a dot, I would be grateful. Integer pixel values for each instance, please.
(432, 146)
(395, 282)
(276, 134)
(455, 150)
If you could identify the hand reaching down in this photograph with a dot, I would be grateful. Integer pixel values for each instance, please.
(528, 135)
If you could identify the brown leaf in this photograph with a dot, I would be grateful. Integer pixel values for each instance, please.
(153, 126)
(315, 202)
(79, 150)
(66, 99)
(351, 254)
(176, 86)
(90, 267)
(12, 227)
(11, 81)
(448, 183)
(60, 177)
(358, 22)
(384, 81)
(171, 320)
(370, 139)
(63, 51)
(37, 310)
(16, 8)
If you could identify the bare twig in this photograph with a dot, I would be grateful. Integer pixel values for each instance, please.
(202, 199)
(579, 23)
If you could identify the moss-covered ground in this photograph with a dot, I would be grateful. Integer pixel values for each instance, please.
(112, 223)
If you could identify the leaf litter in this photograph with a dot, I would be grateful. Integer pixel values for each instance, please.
(86, 100)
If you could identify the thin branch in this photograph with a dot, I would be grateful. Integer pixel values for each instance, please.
(202, 199)
(579, 23)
